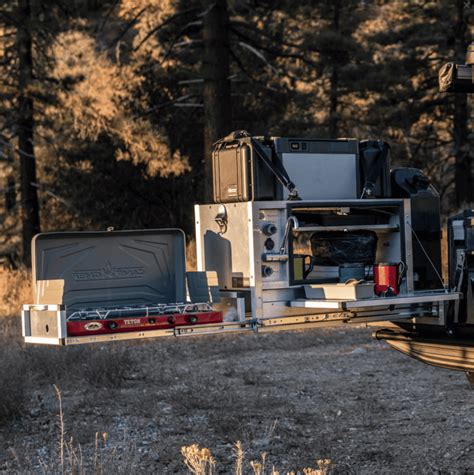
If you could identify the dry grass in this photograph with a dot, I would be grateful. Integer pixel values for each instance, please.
(63, 455)
(15, 290)
(66, 456)
(25, 368)
(200, 461)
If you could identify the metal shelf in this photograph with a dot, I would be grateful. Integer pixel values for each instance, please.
(417, 298)
(382, 228)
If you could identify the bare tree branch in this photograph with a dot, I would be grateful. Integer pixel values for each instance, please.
(169, 103)
(50, 193)
(273, 51)
(129, 25)
(107, 16)
(176, 38)
(188, 104)
(265, 34)
(249, 75)
(16, 149)
(161, 25)
(259, 55)
(191, 81)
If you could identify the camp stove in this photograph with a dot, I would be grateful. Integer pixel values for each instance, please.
(98, 286)
(139, 318)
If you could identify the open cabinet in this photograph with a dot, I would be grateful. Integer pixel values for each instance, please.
(262, 250)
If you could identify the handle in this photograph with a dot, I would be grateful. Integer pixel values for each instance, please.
(402, 271)
(307, 271)
(291, 222)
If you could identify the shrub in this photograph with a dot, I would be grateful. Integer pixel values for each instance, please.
(96, 366)
(106, 366)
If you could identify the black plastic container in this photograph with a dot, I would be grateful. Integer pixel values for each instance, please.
(239, 175)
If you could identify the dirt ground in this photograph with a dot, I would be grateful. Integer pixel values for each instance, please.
(298, 396)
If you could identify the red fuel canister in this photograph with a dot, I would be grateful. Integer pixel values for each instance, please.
(387, 278)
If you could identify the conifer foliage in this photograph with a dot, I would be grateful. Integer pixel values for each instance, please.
(108, 109)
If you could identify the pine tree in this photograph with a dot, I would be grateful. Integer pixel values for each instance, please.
(26, 127)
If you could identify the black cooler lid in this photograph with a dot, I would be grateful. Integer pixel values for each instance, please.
(116, 268)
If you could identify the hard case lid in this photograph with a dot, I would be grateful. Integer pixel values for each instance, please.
(100, 269)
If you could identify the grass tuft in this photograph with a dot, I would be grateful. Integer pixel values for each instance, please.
(200, 461)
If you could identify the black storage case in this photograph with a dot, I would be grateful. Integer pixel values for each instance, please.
(239, 175)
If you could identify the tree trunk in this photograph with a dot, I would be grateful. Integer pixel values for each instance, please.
(334, 82)
(216, 93)
(10, 194)
(29, 195)
(463, 171)
(333, 102)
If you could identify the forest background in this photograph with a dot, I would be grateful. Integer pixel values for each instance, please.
(108, 109)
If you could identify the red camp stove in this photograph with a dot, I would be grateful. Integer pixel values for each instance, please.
(143, 318)
(118, 285)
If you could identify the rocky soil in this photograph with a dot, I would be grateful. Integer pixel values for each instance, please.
(299, 397)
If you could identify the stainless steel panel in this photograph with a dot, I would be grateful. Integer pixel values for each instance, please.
(282, 294)
(381, 303)
(287, 309)
(236, 251)
(225, 251)
(232, 308)
(25, 323)
(44, 323)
